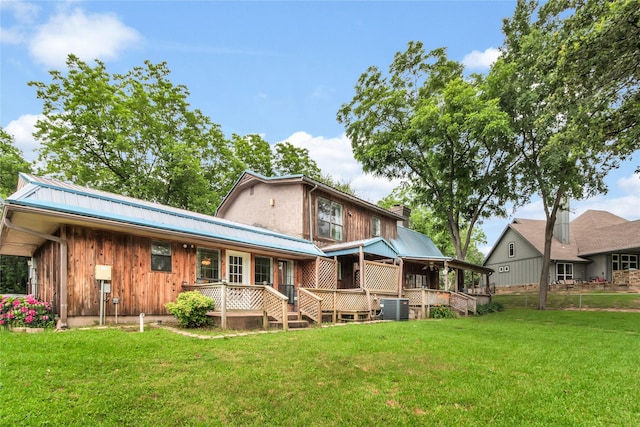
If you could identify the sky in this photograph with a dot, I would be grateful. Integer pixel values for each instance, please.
(278, 69)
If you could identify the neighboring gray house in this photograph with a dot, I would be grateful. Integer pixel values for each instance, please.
(596, 246)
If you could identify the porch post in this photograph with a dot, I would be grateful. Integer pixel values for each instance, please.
(223, 310)
(446, 276)
(361, 267)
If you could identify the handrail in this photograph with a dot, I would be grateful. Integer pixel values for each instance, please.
(469, 300)
(313, 309)
(283, 306)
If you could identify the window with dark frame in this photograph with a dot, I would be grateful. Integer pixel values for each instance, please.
(564, 271)
(263, 271)
(624, 262)
(329, 219)
(208, 265)
(375, 227)
(160, 256)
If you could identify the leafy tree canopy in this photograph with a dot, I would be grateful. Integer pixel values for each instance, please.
(423, 220)
(13, 269)
(132, 134)
(425, 123)
(575, 116)
(11, 163)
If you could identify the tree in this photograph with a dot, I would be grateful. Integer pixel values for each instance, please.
(132, 134)
(13, 269)
(424, 221)
(570, 131)
(11, 163)
(255, 153)
(291, 160)
(283, 158)
(439, 132)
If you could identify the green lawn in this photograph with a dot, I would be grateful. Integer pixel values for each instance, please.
(596, 300)
(515, 368)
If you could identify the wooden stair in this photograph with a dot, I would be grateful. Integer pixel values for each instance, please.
(292, 322)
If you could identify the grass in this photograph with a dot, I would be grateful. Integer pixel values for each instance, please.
(597, 300)
(518, 367)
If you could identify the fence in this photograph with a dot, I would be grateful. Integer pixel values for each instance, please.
(573, 301)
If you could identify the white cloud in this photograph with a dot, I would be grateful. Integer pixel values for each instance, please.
(335, 158)
(22, 131)
(11, 36)
(630, 185)
(23, 12)
(101, 36)
(481, 60)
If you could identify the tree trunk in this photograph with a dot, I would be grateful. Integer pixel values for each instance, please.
(546, 257)
(546, 262)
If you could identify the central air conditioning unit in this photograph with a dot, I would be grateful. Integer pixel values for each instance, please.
(394, 309)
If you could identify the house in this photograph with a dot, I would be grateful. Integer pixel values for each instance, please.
(279, 247)
(345, 227)
(80, 238)
(597, 246)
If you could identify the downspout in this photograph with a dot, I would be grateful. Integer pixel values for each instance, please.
(62, 323)
(310, 214)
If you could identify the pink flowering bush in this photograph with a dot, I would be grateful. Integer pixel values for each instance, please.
(27, 311)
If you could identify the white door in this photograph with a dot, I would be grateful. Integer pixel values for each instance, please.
(239, 267)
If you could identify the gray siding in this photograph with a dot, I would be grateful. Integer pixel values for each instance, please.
(522, 269)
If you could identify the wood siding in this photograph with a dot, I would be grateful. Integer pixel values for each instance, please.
(139, 288)
(356, 220)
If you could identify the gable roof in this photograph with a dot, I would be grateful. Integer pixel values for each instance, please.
(533, 231)
(69, 202)
(593, 232)
(249, 177)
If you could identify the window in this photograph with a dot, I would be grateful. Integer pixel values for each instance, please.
(375, 226)
(564, 271)
(624, 261)
(329, 219)
(160, 256)
(263, 271)
(208, 265)
(512, 249)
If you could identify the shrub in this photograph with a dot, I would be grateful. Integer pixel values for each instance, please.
(191, 309)
(440, 312)
(492, 307)
(25, 311)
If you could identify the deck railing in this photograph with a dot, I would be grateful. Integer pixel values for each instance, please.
(235, 297)
(336, 301)
(422, 300)
(310, 305)
(464, 303)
